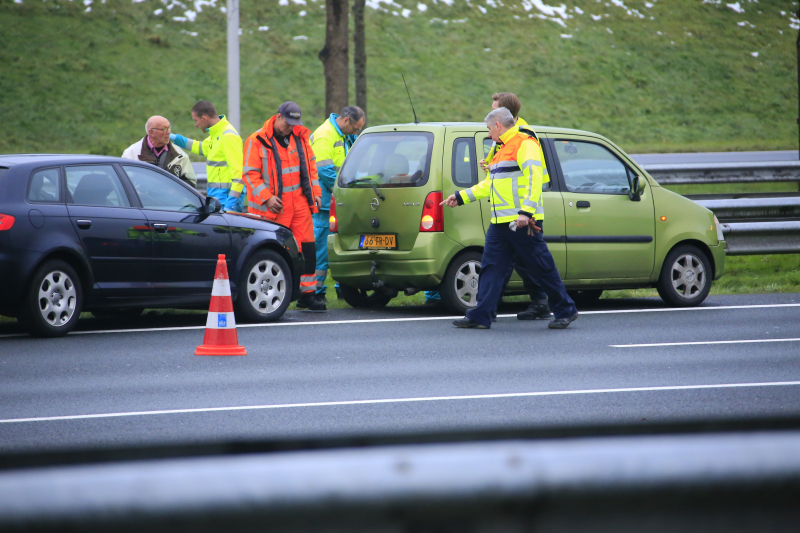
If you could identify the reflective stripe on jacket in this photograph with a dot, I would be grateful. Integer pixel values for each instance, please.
(266, 175)
(330, 146)
(223, 152)
(514, 182)
(521, 123)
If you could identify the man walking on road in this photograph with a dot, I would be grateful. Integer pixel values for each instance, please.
(223, 152)
(331, 142)
(282, 185)
(514, 185)
(156, 149)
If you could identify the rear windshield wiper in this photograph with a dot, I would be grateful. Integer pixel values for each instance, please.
(371, 182)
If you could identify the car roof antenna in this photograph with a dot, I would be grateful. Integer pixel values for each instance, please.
(409, 100)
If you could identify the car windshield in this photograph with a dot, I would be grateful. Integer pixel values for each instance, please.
(388, 160)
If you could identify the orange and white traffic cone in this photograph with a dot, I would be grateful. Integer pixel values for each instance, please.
(221, 338)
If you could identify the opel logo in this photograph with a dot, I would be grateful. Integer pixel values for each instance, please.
(374, 204)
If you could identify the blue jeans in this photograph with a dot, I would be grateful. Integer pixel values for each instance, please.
(502, 245)
(321, 232)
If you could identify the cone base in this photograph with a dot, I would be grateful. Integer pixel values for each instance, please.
(230, 349)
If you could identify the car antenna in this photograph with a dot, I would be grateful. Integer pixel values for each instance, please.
(409, 100)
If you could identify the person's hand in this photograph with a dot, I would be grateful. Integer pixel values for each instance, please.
(450, 201)
(523, 221)
(484, 166)
(318, 202)
(275, 205)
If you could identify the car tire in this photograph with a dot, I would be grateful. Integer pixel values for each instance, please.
(364, 298)
(118, 312)
(265, 287)
(685, 277)
(53, 301)
(459, 288)
(585, 296)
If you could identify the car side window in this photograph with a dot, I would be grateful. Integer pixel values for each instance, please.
(45, 186)
(591, 168)
(96, 185)
(160, 192)
(464, 166)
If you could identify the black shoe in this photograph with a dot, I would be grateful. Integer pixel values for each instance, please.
(535, 312)
(310, 301)
(494, 315)
(467, 323)
(562, 323)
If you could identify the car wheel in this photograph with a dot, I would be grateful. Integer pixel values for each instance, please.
(118, 312)
(459, 288)
(265, 288)
(54, 300)
(364, 298)
(587, 296)
(685, 277)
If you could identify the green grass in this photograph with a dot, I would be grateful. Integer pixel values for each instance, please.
(86, 82)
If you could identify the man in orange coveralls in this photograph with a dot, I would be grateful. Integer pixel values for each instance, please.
(280, 175)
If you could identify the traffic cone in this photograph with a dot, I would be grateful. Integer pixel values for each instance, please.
(221, 338)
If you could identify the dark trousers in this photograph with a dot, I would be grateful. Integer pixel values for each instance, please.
(502, 245)
(532, 287)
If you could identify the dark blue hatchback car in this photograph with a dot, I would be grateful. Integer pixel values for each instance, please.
(113, 236)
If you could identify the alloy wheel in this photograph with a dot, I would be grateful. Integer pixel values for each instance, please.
(57, 298)
(266, 286)
(688, 276)
(466, 282)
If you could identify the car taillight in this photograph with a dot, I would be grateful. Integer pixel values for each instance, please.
(332, 220)
(432, 213)
(6, 221)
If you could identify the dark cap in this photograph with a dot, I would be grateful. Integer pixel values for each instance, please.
(291, 112)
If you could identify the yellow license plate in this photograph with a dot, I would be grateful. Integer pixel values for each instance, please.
(378, 241)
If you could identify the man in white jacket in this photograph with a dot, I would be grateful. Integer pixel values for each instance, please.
(156, 149)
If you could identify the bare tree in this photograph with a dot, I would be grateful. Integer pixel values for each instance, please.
(360, 55)
(334, 56)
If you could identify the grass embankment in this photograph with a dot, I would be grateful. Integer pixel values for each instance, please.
(682, 78)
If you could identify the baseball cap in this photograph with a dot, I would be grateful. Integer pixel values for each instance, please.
(291, 113)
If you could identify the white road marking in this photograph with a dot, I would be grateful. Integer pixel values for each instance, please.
(699, 342)
(420, 319)
(404, 400)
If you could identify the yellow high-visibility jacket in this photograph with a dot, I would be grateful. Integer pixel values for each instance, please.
(514, 180)
(493, 150)
(224, 154)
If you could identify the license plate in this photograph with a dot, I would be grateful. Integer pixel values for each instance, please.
(386, 242)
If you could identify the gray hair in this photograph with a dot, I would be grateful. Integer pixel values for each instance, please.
(353, 112)
(501, 115)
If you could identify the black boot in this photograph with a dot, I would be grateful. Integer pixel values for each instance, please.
(309, 301)
(535, 311)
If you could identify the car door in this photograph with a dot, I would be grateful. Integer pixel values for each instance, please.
(186, 240)
(609, 235)
(113, 232)
(553, 211)
(464, 225)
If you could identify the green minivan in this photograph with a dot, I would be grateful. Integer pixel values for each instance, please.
(608, 224)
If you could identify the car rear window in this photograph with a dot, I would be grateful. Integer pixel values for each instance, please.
(45, 186)
(390, 159)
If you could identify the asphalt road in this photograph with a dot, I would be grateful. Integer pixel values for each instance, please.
(399, 370)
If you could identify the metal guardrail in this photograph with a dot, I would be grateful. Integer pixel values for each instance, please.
(700, 173)
(680, 482)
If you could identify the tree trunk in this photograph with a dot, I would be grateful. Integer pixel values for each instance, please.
(335, 57)
(360, 56)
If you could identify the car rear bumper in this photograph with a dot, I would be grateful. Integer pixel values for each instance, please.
(718, 253)
(15, 268)
(422, 267)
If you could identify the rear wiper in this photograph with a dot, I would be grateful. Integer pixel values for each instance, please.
(369, 180)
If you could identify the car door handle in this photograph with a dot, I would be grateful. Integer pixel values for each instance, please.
(84, 224)
(160, 228)
(583, 203)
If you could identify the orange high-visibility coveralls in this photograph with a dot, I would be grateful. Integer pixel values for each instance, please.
(291, 175)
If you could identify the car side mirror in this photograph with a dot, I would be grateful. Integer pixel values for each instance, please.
(637, 188)
(213, 205)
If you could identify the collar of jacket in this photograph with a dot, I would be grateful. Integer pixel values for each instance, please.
(333, 118)
(508, 135)
(219, 127)
(521, 122)
(147, 155)
(268, 130)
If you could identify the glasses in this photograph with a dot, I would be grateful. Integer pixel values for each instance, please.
(163, 130)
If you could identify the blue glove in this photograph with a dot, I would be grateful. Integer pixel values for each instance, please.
(180, 140)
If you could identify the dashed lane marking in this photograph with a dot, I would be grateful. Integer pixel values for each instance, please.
(699, 343)
(421, 319)
(405, 400)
